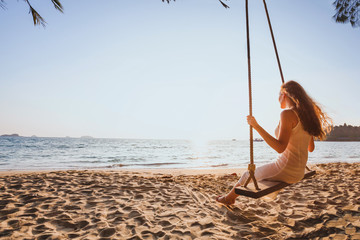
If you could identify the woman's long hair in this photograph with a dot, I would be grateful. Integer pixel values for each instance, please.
(314, 120)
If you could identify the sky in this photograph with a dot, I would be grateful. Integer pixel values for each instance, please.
(148, 69)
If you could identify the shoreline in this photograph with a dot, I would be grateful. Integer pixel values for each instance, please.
(172, 171)
(151, 171)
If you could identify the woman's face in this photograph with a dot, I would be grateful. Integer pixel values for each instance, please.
(282, 100)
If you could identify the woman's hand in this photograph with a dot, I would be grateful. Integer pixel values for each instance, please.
(286, 121)
(252, 121)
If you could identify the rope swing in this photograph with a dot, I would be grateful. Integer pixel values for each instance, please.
(267, 186)
(251, 166)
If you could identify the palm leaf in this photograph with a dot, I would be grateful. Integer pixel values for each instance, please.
(347, 11)
(224, 5)
(2, 4)
(36, 17)
(58, 5)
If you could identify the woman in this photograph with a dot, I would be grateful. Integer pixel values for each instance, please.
(301, 121)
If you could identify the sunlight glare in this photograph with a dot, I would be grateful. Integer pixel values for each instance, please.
(199, 144)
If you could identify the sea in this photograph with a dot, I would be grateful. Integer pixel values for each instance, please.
(38, 153)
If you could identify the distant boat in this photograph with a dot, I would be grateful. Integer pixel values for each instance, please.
(234, 139)
(258, 140)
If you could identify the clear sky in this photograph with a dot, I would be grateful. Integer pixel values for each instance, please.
(147, 69)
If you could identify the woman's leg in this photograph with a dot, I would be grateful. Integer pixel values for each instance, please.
(229, 199)
(262, 172)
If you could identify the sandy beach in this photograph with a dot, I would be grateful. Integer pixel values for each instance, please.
(175, 204)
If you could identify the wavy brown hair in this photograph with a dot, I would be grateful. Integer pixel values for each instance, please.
(314, 120)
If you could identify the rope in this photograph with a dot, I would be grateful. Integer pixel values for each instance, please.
(251, 166)
(274, 43)
(249, 80)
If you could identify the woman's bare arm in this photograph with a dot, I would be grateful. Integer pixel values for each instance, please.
(277, 131)
(281, 143)
(311, 146)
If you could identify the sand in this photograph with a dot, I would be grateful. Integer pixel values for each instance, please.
(175, 204)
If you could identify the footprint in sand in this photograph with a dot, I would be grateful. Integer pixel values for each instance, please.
(82, 224)
(206, 233)
(182, 234)
(115, 214)
(64, 225)
(42, 220)
(29, 216)
(39, 229)
(32, 210)
(71, 207)
(8, 211)
(44, 237)
(73, 235)
(14, 223)
(148, 234)
(107, 232)
(237, 215)
(139, 197)
(134, 214)
(44, 206)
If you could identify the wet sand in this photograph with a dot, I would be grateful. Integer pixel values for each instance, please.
(175, 204)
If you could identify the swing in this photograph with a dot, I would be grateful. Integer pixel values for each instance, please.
(257, 189)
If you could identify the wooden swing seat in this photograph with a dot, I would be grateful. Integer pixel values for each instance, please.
(266, 187)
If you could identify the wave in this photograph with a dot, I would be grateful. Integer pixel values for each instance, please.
(63, 147)
(206, 157)
(82, 161)
(143, 164)
(134, 159)
(220, 165)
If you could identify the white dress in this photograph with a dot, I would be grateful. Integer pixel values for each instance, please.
(290, 164)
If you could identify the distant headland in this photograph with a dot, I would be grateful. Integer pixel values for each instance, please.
(10, 135)
(34, 136)
(344, 133)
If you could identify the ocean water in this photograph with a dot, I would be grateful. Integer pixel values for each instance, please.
(36, 153)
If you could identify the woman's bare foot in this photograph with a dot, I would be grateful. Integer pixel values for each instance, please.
(223, 200)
